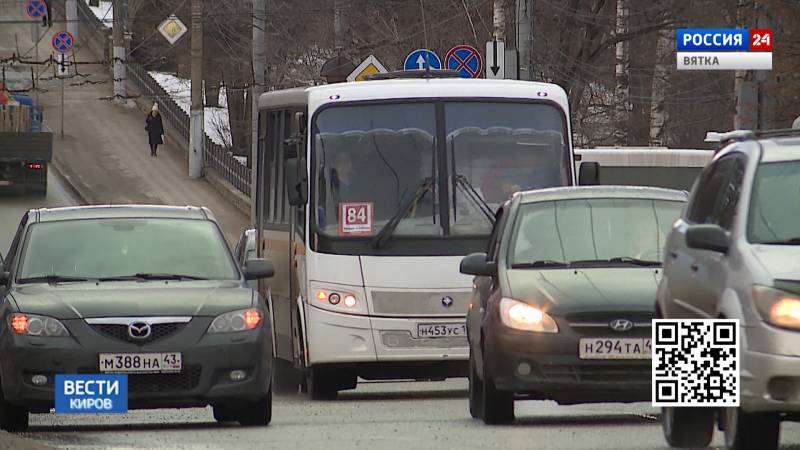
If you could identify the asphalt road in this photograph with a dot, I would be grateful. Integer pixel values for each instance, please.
(374, 416)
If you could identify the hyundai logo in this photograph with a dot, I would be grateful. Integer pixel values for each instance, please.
(139, 330)
(447, 301)
(621, 325)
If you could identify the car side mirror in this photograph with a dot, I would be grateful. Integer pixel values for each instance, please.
(477, 264)
(296, 181)
(589, 173)
(708, 237)
(258, 268)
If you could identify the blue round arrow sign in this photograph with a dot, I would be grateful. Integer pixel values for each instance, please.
(421, 59)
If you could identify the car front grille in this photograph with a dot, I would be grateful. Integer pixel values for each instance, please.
(597, 324)
(151, 383)
(634, 373)
(120, 332)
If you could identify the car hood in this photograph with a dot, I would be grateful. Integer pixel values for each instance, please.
(590, 289)
(781, 261)
(124, 299)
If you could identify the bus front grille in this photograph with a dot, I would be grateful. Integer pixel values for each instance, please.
(420, 304)
(403, 339)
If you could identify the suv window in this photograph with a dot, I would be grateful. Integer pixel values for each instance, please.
(708, 191)
(725, 211)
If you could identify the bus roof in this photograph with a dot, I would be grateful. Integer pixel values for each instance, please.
(646, 156)
(412, 88)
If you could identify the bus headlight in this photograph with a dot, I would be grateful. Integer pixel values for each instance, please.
(340, 298)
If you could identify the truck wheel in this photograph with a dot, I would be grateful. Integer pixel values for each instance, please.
(286, 379)
(687, 427)
(475, 390)
(13, 418)
(746, 431)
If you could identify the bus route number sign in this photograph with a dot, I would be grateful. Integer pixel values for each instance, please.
(355, 219)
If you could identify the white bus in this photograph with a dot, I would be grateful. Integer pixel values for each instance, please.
(367, 196)
(642, 166)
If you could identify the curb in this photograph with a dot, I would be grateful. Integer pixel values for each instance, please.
(227, 191)
(72, 186)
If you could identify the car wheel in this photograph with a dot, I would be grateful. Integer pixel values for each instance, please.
(257, 413)
(13, 418)
(286, 379)
(225, 413)
(687, 427)
(498, 406)
(746, 431)
(320, 385)
(475, 390)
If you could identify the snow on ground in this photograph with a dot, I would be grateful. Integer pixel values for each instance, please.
(217, 126)
(104, 12)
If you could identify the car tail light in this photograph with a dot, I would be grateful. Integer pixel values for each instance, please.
(35, 166)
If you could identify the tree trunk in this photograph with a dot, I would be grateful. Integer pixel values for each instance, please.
(659, 115)
(340, 27)
(622, 77)
(237, 117)
(211, 87)
(524, 9)
(499, 20)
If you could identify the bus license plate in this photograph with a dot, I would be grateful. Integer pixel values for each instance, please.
(614, 348)
(437, 330)
(140, 362)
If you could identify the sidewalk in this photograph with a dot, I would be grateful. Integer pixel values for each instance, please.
(104, 153)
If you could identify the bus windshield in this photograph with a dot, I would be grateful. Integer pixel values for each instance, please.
(379, 163)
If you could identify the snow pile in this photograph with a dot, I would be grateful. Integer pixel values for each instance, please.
(104, 12)
(217, 126)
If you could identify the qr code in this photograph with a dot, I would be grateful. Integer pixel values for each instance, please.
(695, 362)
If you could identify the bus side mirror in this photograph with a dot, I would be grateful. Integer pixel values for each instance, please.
(296, 181)
(589, 174)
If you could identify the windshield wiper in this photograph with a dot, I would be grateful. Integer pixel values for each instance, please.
(472, 194)
(52, 279)
(620, 260)
(539, 264)
(152, 276)
(791, 241)
(387, 230)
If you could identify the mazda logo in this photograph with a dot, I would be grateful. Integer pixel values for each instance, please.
(447, 301)
(621, 325)
(139, 330)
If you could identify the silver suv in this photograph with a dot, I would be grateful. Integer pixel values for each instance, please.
(735, 253)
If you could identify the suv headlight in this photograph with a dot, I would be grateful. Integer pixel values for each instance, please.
(35, 325)
(776, 307)
(522, 316)
(242, 320)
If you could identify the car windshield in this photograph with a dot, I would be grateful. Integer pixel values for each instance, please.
(108, 248)
(377, 164)
(602, 230)
(774, 212)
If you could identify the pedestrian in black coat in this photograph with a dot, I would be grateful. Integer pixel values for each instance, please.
(155, 129)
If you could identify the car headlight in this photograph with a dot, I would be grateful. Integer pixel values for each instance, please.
(35, 325)
(776, 307)
(522, 316)
(242, 320)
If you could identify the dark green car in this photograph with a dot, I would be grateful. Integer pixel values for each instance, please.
(563, 297)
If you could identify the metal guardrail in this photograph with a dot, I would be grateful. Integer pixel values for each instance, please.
(216, 157)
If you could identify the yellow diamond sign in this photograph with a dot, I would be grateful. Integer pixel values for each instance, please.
(369, 66)
(172, 29)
